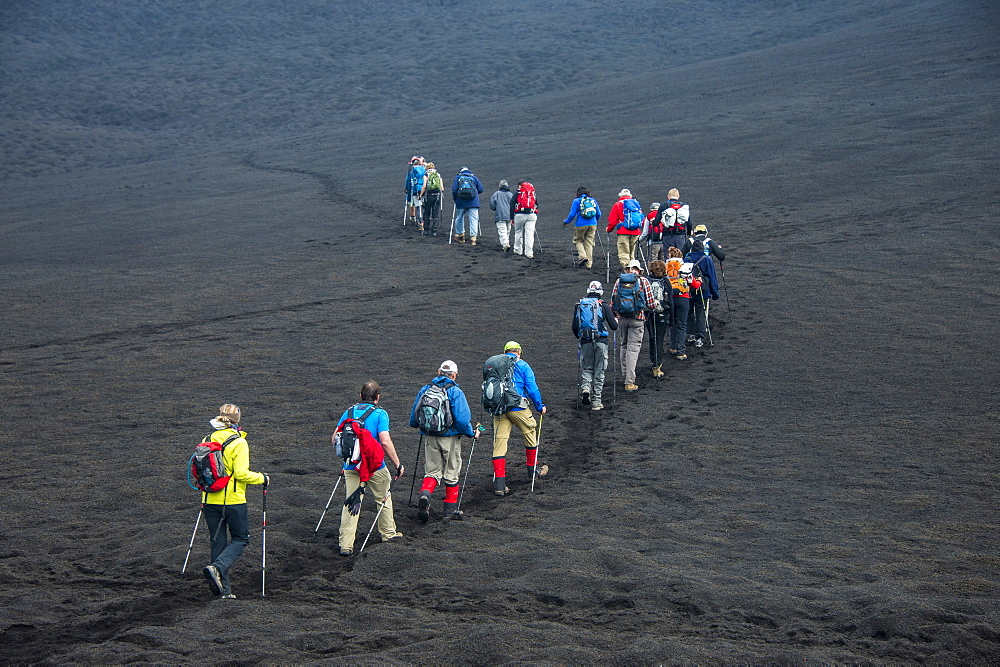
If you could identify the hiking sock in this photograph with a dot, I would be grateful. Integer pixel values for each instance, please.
(429, 485)
(530, 456)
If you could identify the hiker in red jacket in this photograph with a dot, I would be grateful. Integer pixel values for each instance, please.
(626, 218)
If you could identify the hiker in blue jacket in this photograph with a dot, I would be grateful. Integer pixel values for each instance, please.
(443, 452)
(465, 191)
(593, 345)
(704, 268)
(415, 179)
(520, 417)
(585, 229)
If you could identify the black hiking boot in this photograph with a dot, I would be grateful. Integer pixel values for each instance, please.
(423, 505)
(500, 486)
(214, 580)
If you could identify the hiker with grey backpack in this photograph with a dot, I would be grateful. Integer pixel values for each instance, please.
(592, 322)
(509, 391)
(442, 414)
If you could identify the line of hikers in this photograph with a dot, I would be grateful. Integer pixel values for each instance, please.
(675, 297)
(220, 465)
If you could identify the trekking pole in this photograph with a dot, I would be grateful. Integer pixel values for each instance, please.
(607, 260)
(420, 446)
(197, 521)
(729, 311)
(375, 522)
(538, 442)
(325, 509)
(643, 256)
(579, 371)
(457, 513)
(708, 325)
(538, 242)
(451, 232)
(406, 205)
(263, 544)
(614, 364)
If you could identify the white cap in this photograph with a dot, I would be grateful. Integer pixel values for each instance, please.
(625, 193)
(448, 366)
(634, 264)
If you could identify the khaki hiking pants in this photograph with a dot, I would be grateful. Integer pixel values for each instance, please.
(583, 239)
(443, 457)
(525, 423)
(626, 249)
(375, 490)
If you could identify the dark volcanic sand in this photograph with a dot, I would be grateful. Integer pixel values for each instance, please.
(820, 486)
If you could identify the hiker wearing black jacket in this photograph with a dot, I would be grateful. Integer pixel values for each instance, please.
(593, 345)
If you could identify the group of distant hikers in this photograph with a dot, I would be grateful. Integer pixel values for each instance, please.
(675, 297)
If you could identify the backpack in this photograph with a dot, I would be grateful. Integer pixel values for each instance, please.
(206, 469)
(525, 199)
(434, 183)
(632, 212)
(434, 411)
(678, 272)
(676, 226)
(659, 292)
(499, 394)
(349, 432)
(588, 207)
(466, 187)
(415, 179)
(588, 319)
(629, 299)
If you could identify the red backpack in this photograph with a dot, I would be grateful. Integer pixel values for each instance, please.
(206, 469)
(525, 198)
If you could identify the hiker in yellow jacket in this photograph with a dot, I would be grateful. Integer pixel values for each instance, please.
(227, 509)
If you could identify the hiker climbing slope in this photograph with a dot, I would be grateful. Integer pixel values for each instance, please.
(226, 509)
(592, 323)
(465, 191)
(442, 414)
(584, 214)
(626, 220)
(509, 391)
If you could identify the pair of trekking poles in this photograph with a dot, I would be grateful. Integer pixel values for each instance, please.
(263, 541)
(374, 522)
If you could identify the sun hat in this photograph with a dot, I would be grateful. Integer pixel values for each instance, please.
(625, 193)
(634, 264)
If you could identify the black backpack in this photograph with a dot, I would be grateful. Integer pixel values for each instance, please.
(434, 410)
(499, 394)
(346, 440)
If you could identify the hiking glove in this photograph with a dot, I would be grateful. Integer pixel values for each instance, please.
(353, 502)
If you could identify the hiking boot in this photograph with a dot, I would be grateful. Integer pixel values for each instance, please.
(500, 486)
(228, 596)
(395, 536)
(449, 509)
(672, 352)
(690, 339)
(585, 397)
(657, 371)
(596, 406)
(214, 580)
(582, 262)
(505, 248)
(680, 357)
(472, 240)
(423, 504)
(698, 342)
(459, 238)
(631, 387)
(344, 551)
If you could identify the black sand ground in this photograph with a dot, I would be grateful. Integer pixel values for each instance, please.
(821, 485)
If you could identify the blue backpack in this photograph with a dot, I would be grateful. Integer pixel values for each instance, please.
(629, 299)
(588, 319)
(632, 211)
(466, 187)
(415, 179)
(588, 207)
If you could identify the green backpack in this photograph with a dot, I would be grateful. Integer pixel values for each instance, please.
(434, 181)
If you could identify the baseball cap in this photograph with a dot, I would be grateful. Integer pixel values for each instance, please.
(511, 345)
(448, 366)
